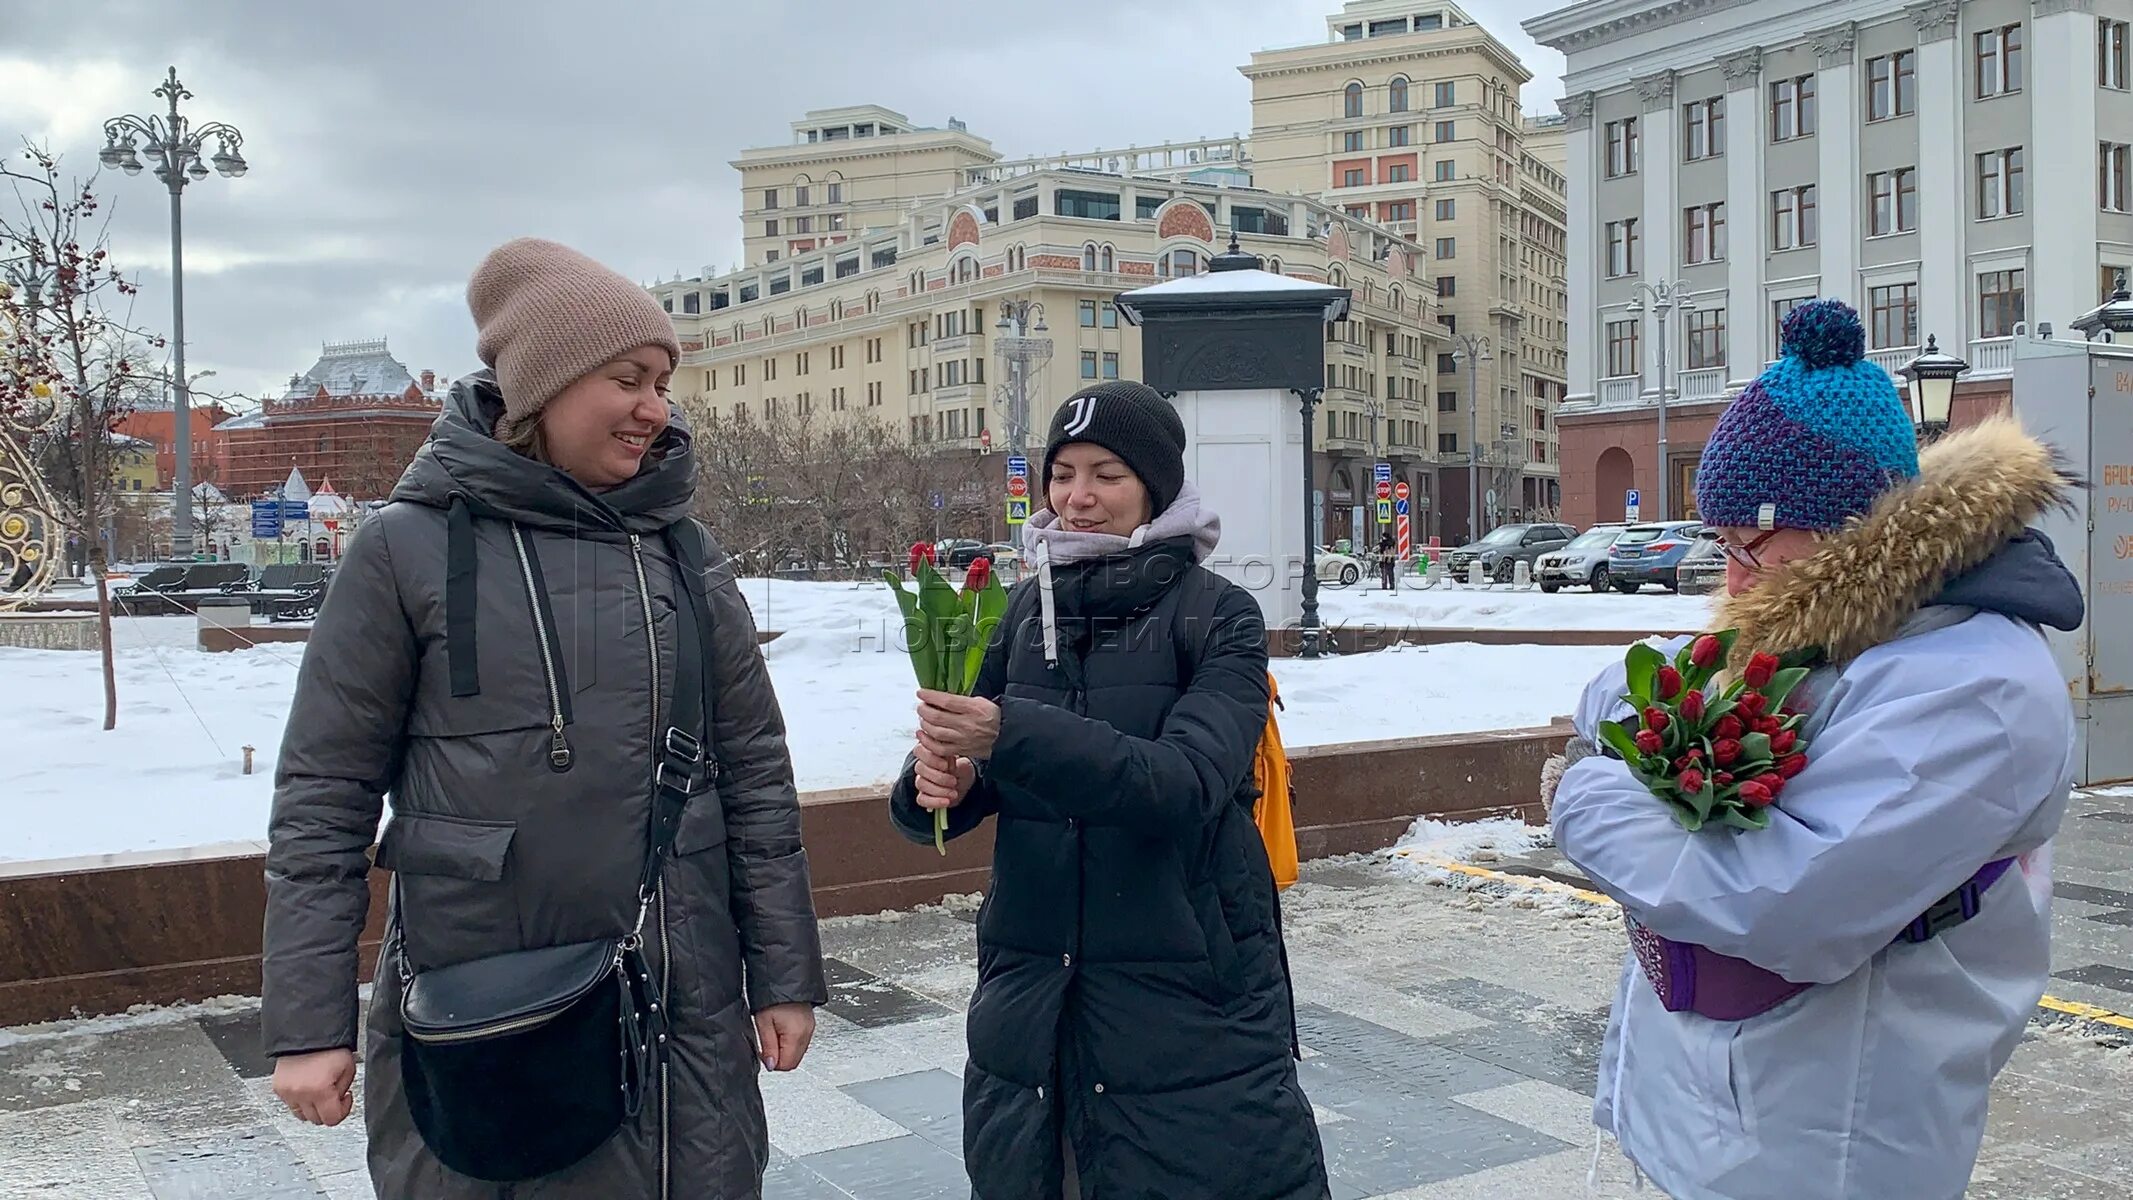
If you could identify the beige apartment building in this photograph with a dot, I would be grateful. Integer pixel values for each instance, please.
(1408, 116)
(903, 322)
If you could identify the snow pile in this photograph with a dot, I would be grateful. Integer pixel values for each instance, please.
(1502, 608)
(1470, 842)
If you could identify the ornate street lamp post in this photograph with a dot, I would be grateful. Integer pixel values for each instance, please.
(1663, 299)
(1932, 377)
(1472, 349)
(176, 147)
(1023, 354)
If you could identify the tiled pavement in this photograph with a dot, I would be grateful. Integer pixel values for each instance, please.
(1451, 1038)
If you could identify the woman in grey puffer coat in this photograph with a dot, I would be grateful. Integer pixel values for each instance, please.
(495, 651)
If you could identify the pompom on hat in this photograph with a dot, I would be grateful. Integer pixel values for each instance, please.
(1815, 440)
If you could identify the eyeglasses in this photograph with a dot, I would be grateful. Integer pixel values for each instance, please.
(1745, 555)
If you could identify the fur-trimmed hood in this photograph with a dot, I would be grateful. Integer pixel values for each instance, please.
(1933, 539)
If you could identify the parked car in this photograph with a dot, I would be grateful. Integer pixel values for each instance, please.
(1703, 569)
(957, 552)
(1005, 556)
(1339, 568)
(1650, 554)
(1503, 548)
(1582, 562)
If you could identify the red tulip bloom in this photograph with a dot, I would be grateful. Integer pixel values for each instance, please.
(1782, 742)
(1726, 751)
(1656, 720)
(980, 572)
(1759, 670)
(1771, 780)
(1755, 795)
(1692, 707)
(1692, 781)
(1791, 764)
(1669, 683)
(1723, 779)
(1728, 726)
(1649, 742)
(1752, 704)
(1768, 725)
(1705, 650)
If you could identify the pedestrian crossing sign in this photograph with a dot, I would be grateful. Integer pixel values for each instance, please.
(1017, 510)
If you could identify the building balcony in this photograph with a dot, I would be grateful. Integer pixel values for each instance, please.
(1991, 357)
(956, 394)
(1892, 358)
(1706, 383)
(1623, 391)
(958, 344)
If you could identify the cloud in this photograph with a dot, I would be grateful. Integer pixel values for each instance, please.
(392, 143)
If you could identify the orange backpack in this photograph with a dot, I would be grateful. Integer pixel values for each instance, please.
(1275, 810)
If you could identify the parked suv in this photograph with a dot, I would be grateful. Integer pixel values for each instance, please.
(1703, 569)
(1650, 554)
(1581, 563)
(1504, 547)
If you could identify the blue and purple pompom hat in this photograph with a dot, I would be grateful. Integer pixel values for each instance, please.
(1818, 438)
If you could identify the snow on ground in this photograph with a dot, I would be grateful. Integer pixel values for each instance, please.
(1502, 608)
(170, 776)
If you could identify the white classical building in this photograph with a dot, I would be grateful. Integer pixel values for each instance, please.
(1954, 168)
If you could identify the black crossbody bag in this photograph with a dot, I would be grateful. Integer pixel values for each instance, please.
(519, 1064)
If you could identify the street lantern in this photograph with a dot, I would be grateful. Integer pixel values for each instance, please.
(1931, 377)
(2113, 316)
(177, 147)
(1468, 350)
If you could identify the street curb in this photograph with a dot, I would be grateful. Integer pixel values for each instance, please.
(2051, 1010)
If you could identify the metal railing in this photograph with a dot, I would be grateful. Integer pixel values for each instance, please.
(1620, 392)
(1892, 358)
(1704, 383)
(1992, 356)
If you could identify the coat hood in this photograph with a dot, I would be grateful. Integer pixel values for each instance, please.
(1185, 518)
(463, 456)
(1955, 535)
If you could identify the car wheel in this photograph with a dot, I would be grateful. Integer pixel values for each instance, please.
(1550, 588)
(1505, 570)
(1599, 578)
(1350, 573)
(1625, 587)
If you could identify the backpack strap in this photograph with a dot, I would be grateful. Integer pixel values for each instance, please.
(685, 762)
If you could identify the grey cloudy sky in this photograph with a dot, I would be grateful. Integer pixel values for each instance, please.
(392, 142)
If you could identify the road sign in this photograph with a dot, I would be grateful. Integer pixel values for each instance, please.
(1400, 507)
(1018, 485)
(295, 510)
(936, 500)
(1381, 472)
(1018, 465)
(1384, 489)
(266, 518)
(1012, 346)
(1399, 491)
(1017, 509)
(1630, 504)
(1384, 512)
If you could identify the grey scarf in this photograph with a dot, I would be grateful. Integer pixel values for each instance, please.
(1045, 542)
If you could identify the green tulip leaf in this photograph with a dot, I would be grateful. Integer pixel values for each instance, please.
(1643, 661)
(1618, 736)
(1781, 685)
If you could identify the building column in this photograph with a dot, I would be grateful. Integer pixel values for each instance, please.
(1746, 211)
(1581, 247)
(1837, 118)
(2062, 138)
(1660, 167)
(1943, 181)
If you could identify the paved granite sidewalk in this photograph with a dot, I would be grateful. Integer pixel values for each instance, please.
(1451, 1035)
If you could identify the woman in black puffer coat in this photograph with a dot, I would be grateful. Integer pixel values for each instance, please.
(1133, 1035)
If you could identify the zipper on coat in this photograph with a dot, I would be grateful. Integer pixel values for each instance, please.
(559, 755)
(659, 886)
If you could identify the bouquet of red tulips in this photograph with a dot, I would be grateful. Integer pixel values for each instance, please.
(1714, 757)
(947, 632)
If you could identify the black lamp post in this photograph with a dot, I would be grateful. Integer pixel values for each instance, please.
(1932, 377)
(1309, 632)
(2113, 316)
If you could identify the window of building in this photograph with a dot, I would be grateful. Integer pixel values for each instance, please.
(1792, 108)
(1088, 314)
(1447, 131)
(1450, 321)
(1779, 310)
(1447, 247)
(2111, 38)
(1447, 209)
(799, 196)
(692, 302)
(2000, 303)
(1707, 338)
(1110, 364)
(1703, 230)
(1399, 173)
(1447, 402)
(1621, 248)
(1703, 128)
(1097, 206)
(1178, 264)
(1622, 348)
(1088, 364)
(1104, 260)
(1109, 314)
(1352, 101)
(1445, 170)
(1354, 177)
(1397, 135)
(835, 193)
(1400, 210)
(1998, 60)
(1352, 142)
(1444, 95)
(1396, 94)
(770, 228)
(1623, 148)
(2111, 176)
(1792, 218)
(1892, 85)
(1892, 202)
(1025, 207)
(1999, 183)
(1892, 315)
(770, 197)
(740, 374)
(1446, 365)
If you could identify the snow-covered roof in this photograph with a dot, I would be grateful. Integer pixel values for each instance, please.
(352, 369)
(1219, 283)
